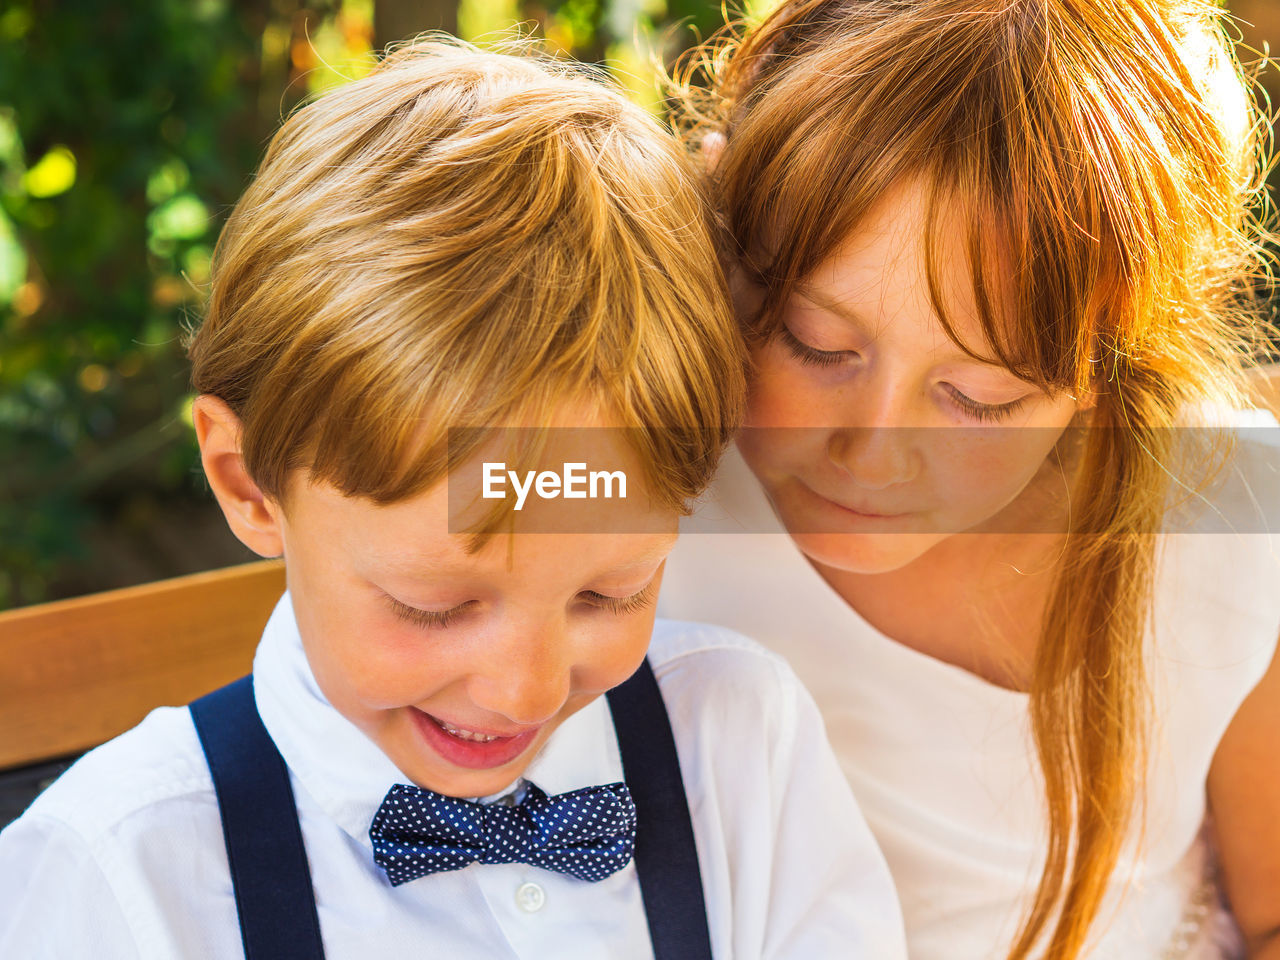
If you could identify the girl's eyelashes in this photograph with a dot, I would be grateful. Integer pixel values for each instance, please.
(622, 605)
(428, 618)
(985, 412)
(812, 356)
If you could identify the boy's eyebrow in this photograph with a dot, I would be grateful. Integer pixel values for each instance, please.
(413, 564)
(433, 564)
(651, 557)
(656, 554)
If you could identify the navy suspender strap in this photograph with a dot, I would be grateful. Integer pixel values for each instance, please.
(666, 859)
(269, 871)
(268, 862)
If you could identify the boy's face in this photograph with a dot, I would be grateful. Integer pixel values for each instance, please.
(460, 665)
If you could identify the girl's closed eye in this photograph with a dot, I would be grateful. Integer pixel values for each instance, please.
(810, 355)
(984, 412)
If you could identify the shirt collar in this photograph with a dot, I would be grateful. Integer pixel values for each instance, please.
(345, 772)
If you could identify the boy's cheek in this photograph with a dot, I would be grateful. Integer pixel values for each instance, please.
(389, 686)
(373, 671)
(616, 657)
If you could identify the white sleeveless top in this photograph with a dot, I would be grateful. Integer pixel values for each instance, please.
(942, 761)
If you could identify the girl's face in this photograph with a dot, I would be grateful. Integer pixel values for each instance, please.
(875, 436)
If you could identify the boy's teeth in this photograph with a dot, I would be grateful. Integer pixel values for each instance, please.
(461, 734)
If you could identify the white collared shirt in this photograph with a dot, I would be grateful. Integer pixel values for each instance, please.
(123, 857)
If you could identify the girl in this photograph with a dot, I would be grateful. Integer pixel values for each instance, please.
(995, 259)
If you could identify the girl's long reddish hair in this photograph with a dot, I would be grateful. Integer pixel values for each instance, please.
(1106, 155)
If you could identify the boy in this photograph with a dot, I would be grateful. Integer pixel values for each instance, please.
(463, 239)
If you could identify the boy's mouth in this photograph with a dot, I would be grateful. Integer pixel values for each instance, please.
(461, 734)
(473, 749)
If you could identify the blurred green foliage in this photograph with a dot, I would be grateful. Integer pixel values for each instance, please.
(126, 134)
(120, 134)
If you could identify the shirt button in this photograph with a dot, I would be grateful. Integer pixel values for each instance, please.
(530, 897)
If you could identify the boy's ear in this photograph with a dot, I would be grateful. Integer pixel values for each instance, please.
(253, 516)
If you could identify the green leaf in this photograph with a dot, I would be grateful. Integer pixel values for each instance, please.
(183, 217)
(54, 173)
(167, 180)
(13, 260)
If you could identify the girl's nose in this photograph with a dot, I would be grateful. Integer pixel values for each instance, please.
(874, 458)
(877, 449)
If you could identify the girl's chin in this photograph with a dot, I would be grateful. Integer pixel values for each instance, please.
(865, 553)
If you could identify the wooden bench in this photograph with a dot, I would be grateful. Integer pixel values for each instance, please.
(74, 673)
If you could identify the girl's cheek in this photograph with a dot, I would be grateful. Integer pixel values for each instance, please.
(984, 477)
(781, 397)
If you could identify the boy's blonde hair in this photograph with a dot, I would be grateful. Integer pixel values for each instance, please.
(467, 239)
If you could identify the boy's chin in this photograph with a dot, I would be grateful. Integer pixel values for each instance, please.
(468, 784)
(470, 790)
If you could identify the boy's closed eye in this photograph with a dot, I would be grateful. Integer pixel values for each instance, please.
(631, 603)
(429, 618)
(440, 619)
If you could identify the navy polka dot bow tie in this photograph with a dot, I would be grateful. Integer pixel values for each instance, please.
(587, 833)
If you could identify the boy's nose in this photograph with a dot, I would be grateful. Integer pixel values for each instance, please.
(528, 683)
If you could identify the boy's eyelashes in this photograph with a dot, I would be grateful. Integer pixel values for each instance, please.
(428, 618)
(629, 604)
(440, 619)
